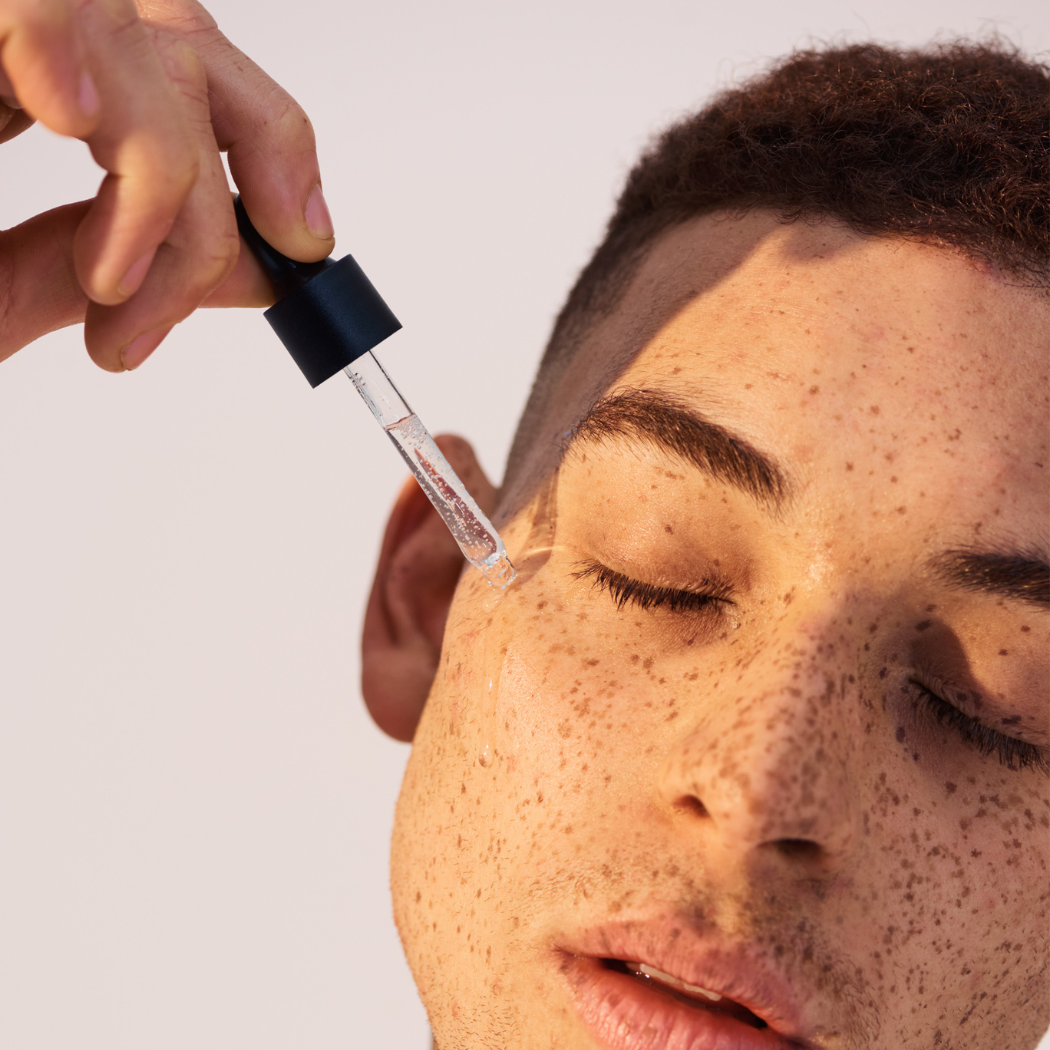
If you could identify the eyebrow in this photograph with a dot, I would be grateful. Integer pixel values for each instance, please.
(663, 420)
(672, 425)
(1017, 575)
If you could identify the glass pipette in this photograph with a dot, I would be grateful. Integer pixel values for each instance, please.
(329, 317)
(478, 540)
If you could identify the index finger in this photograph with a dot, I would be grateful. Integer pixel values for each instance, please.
(269, 138)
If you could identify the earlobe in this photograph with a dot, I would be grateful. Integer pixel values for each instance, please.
(419, 568)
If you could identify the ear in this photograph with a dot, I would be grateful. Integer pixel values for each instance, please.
(419, 568)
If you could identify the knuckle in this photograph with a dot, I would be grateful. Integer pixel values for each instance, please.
(181, 62)
(210, 264)
(182, 16)
(217, 263)
(186, 72)
(191, 65)
(126, 29)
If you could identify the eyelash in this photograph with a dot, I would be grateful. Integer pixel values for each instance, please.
(1012, 753)
(627, 591)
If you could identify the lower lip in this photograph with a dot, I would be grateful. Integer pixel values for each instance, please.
(626, 1013)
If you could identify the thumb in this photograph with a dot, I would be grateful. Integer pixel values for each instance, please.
(39, 291)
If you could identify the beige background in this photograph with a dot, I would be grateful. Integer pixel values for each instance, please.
(194, 808)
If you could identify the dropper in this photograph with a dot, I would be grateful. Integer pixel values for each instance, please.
(329, 316)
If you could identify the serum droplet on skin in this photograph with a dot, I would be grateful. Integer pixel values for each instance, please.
(490, 698)
(488, 709)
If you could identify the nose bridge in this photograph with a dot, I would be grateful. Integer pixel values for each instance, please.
(770, 763)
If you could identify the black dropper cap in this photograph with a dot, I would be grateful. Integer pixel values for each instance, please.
(327, 313)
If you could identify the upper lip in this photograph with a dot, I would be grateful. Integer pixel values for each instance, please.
(733, 969)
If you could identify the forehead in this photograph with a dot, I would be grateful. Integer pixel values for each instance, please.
(822, 345)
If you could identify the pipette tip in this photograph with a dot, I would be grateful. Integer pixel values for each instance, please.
(498, 571)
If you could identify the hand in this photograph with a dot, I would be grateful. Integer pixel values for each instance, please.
(156, 92)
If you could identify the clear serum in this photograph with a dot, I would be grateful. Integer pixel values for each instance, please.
(478, 540)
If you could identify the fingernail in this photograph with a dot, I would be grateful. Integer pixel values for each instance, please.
(136, 274)
(318, 221)
(140, 348)
(88, 96)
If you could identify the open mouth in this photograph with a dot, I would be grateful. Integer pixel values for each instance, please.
(690, 994)
(659, 986)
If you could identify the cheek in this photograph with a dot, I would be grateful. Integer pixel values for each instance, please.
(485, 805)
(942, 888)
(533, 715)
(578, 724)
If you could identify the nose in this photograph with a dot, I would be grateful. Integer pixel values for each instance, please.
(765, 773)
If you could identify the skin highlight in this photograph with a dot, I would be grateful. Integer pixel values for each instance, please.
(765, 769)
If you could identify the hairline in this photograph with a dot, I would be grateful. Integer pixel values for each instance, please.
(591, 302)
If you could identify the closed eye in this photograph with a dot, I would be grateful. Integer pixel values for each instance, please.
(1012, 753)
(713, 595)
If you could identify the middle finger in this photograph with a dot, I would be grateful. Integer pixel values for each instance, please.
(199, 250)
(143, 140)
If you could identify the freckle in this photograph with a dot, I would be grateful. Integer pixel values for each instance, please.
(924, 625)
(668, 530)
(874, 410)
(849, 466)
(902, 510)
(1026, 628)
(893, 479)
(1003, 652)
(814, 389)
(900, 734)
(882, 673)
(950, 787)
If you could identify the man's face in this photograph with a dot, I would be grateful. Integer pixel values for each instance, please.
(766, 711)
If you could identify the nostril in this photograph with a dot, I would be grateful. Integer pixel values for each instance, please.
(692, 805)
(798, 849)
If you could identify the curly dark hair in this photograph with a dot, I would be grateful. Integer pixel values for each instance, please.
(949, 145)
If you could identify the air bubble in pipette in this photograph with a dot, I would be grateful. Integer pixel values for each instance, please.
(478, 540)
